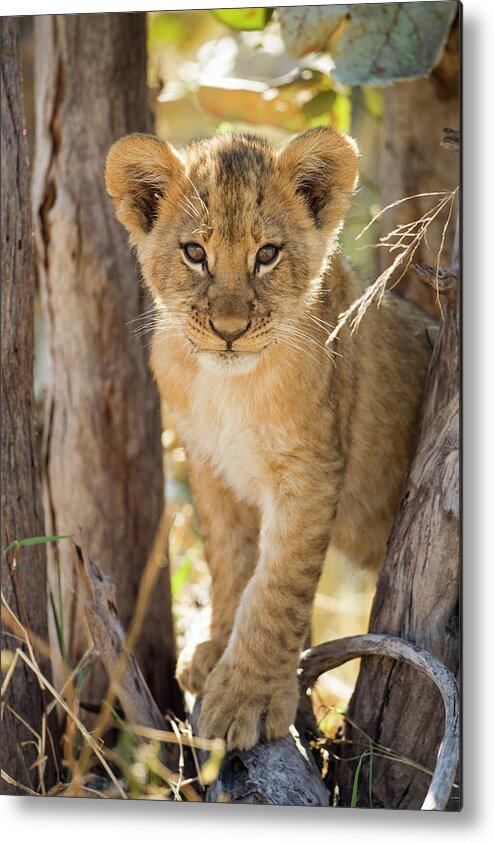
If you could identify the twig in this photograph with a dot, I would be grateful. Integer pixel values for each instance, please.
(327, 656)
(5, 776)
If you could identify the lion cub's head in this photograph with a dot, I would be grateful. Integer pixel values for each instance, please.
(232, 235)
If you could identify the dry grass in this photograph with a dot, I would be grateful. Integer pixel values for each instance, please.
(132, 767)
(364, 749)
(402, 244)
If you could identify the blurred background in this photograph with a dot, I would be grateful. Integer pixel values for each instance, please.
(209, 72)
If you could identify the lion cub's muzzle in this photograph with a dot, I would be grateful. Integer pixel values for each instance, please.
(229, 328)
(228, 331)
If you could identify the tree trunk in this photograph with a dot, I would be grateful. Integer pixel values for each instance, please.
(102, 450)
(417, 598)
(415, 113)
(24, 579)
(417, 594)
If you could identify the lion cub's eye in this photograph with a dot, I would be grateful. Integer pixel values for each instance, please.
(267, 255)
(194, 252)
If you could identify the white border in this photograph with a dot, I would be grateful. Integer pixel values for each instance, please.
(85, 820)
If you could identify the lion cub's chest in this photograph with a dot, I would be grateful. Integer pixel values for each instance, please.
(226, 427)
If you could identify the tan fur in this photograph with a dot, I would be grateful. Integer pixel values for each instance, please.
(291, 446)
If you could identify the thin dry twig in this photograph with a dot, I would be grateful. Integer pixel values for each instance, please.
(186, 737)
(404, 239)
(5, 776)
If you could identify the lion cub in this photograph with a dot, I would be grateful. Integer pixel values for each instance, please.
(291, 446)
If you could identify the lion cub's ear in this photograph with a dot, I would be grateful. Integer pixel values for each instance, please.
(140, 169)
(322, 166)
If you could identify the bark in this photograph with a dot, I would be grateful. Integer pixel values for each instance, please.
(102, 452)
(98, 600)
(415, 113)
(23, 580)
(282, 772)
(417, 596)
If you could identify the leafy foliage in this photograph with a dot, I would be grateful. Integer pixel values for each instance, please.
(371, 43)
(18, 543)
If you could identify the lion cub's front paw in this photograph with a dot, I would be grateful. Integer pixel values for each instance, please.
(195, 666)
(242, 710)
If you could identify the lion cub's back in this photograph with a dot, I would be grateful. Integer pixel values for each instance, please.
(395, 346)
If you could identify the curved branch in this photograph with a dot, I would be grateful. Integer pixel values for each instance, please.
(327, 656)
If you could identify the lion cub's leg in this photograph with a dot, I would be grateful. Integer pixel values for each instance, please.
(230, 533)
(253, 690)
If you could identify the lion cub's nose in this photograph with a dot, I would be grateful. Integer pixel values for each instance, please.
(229, 328)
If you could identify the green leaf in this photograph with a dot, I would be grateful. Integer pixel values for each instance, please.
(250, 20)
(168, 28)
(372, 43)
(322, 103)
(33, 540)
(306, 29)
(353, 803)
(82, 676)
(341, 113)
(116, 715)
(59, 627)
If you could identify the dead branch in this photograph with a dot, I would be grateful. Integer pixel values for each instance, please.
(327, 656)
(443, 281)
(281, 772)
(116, 651)
(98, 596)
